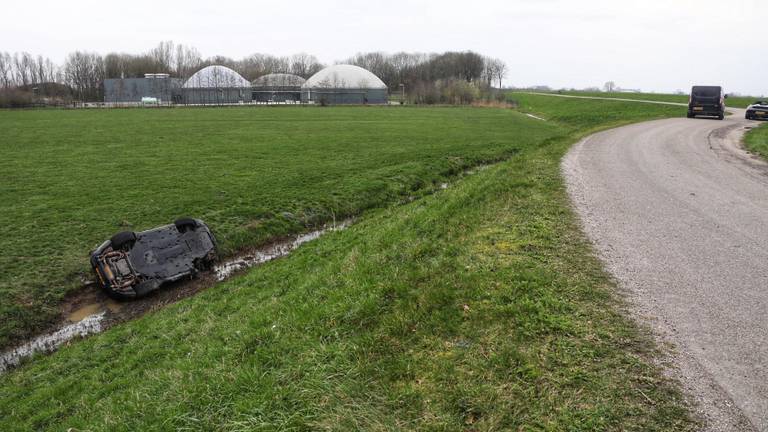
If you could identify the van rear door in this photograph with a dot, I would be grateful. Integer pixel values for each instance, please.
(706, 95)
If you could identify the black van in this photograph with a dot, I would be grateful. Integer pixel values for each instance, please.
(707, 101)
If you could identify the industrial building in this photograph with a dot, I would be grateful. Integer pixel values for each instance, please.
(214, 85)
(132, 90)
(220, 85)
(277, 87)
(344, 84)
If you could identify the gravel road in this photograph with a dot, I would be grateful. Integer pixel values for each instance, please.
(679, 214)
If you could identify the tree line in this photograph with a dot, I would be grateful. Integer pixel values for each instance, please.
(451, 77)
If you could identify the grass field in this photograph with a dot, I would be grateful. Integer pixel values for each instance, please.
(478, 307)
(74, 178)
(756, 140)
(732, 101)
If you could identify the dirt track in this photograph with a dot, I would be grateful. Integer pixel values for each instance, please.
(679, 212)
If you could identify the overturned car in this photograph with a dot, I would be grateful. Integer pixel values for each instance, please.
(132, 264)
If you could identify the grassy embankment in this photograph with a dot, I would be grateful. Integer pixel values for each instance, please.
(732, 101)
(756, 140)
(71, 179)
(479, 307)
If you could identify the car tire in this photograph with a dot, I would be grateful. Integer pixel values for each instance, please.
(721, 117)
(185, 224)
(690, 115)
(123, 240)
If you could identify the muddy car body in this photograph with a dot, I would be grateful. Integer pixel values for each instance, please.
(133, 264)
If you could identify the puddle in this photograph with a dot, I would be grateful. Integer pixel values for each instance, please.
(84, 312)
(114, 306)
(95, 311)
(47, 343)
(94, 308)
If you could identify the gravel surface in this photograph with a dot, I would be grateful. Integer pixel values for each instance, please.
(678, 212)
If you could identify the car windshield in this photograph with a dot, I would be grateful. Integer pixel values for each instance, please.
(706, 91)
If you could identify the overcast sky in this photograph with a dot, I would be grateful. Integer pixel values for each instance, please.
(653, 45)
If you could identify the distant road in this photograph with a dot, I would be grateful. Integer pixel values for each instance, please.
(679, 213)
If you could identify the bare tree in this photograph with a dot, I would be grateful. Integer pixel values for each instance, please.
(277, 64)
(404, 67)
(256, 65)
(188, 60)
(45, 71)
(115, 65)
(6, 70)
(610, 86)
(501, 71)
(163, 56)
(489, 71)
(24, 67)
(304, 65)
(84, 72)
(377, 62)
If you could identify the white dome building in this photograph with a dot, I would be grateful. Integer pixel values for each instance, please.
(344, 84)
(216, 77)
(215, 85)
(277, 87)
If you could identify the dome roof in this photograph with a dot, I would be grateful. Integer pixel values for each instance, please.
(344, 76)
(216, 77)
(279, 80)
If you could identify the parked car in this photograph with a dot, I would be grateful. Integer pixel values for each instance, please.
(707, 101)
(132, 264)
(757, 111)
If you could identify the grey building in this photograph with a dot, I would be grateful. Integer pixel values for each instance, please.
(344, 84)
(132, 90)
(277, 87)
(215, 85)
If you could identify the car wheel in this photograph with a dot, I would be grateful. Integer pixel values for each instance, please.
(185, 224)
(721, 117)
(690, 115)
(123, 240)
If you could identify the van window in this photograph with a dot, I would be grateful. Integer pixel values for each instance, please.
(706, 91)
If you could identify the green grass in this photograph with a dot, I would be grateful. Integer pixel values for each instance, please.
(756, 140)
(71, 179)
(584, 115)
(480, 307)
(732, 101)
